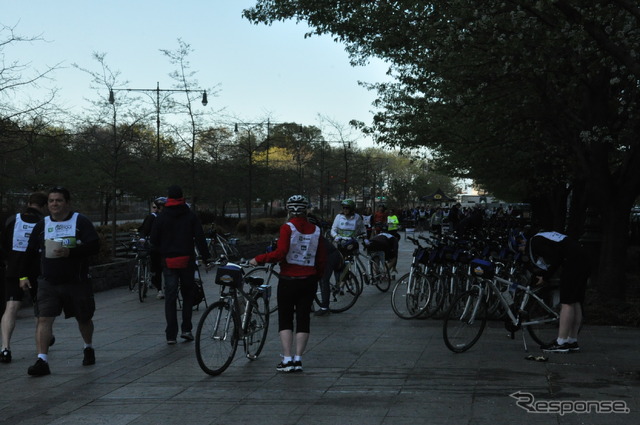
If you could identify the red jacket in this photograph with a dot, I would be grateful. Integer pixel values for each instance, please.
(280, 253)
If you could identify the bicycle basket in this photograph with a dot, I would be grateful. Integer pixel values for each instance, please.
(229, 275)
(483, 268)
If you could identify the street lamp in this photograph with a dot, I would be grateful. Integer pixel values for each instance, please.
(157, 90)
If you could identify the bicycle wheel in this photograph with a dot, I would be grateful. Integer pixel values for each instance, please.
(465, 321)
(544, 326)
(135, 278)
(143, 281)
(410, 295)
(381, 274)
(217, 337)
(270, 277)
(257, 326)
(436, 305)
(344, 294)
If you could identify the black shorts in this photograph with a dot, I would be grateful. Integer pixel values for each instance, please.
(13, 292)
(573, 279)
(75, 299)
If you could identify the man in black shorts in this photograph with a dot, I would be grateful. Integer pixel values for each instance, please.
(553, 251)
(62, 242)
(15, 236)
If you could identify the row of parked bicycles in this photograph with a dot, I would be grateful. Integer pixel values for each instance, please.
(469, 282)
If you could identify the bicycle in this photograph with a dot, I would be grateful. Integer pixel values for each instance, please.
(269, 274)
(373, 270)
(238, 316)
(222, 245)
(141, 276)
(467, 316)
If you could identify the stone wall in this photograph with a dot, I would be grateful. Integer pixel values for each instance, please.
(111, 275)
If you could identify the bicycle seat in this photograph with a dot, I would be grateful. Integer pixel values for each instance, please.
(254, 280)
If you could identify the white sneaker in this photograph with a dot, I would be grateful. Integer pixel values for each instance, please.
(160, 295)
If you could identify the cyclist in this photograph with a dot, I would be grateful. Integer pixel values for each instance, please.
(333, 266)
(302, 257)
(393, 224)
(154, 256)
(387, 243)
(348, 224)
(550, 251)
(379, 219)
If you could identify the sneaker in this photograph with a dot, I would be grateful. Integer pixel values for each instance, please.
(5, 356)
(160, 295)
(297, 366)
(554, 347)
(322, 312)
(40, 368)
(89, 357)
(286, 367)
(188, 336)
(171, 342)
(573, 346)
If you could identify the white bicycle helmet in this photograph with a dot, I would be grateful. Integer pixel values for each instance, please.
(297, 204)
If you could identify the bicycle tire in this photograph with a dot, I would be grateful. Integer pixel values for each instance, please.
(381, 274)
(255, 334)
(271, 279)
(545, 331)
(436, 306)
(143, 271)
(465, 321)
(343, 295)
(217, 337)
(133, 282)
(410, 295)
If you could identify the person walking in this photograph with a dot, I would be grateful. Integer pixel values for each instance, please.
(15, 238)
(155, 261)
(553, 251)
(62, 242)
(302, 257)
(175, 234)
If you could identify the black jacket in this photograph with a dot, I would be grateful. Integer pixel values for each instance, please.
(176, 231)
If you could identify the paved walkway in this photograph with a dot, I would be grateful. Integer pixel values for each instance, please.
(363, 366)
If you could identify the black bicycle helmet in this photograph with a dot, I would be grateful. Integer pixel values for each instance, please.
(349, 203)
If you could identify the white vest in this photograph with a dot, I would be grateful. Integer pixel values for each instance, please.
(303, 248)
(552, 236)
(21, 232)
(65, 230)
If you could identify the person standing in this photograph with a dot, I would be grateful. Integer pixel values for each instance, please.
(553, 251)
(347, 224)
(302, 256)
(175, 234)
(393, 223)
(379, 220)
(155, 261)
(63, 242)
(15, 238)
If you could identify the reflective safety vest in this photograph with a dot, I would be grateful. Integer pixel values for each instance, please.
(303, 247)
(392, 222)
(21, 232)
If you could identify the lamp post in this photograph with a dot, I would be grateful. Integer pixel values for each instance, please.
(157, 90)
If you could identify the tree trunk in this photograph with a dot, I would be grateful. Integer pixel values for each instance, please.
(609, 277)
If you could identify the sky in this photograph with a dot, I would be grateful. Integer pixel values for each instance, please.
(258, 71)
